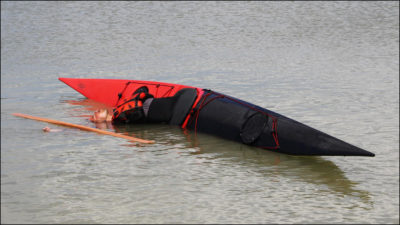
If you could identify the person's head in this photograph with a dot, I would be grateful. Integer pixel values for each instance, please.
(101, 115)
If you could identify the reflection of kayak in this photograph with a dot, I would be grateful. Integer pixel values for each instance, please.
(214, 113)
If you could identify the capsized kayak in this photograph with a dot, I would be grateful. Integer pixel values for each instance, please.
(207, 111)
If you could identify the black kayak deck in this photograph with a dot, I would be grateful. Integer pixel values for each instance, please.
(240, 121)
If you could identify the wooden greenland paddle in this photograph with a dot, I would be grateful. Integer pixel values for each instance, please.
(84, 128)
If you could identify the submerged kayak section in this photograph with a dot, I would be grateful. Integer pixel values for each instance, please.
(214, 113)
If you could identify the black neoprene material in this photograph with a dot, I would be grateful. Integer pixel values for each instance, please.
(184, 102)
(160, 110)
(228, 119)
(172, 110)
(253, 127)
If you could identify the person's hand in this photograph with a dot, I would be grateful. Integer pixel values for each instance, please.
(48, 129)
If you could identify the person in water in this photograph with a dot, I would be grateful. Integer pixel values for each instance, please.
(143, 107)
(132, 110)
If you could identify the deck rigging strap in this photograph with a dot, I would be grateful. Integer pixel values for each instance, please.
(120, 94)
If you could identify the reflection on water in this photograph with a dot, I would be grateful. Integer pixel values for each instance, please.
(311, 169)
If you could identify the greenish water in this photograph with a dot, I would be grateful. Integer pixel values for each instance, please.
(331, 65)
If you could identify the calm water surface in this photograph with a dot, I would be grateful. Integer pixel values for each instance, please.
(331, 65)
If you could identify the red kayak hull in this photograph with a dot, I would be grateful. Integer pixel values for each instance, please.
(106, 90)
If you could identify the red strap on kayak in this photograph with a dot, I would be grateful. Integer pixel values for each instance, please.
(167, 93)
(122, 92)
(274, 119)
